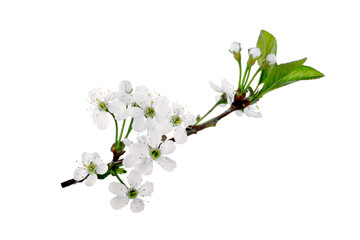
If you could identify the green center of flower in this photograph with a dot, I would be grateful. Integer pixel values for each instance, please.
(155, 153)
(91, 167)
(176, 120)
(132, 193)
(150, 112)
(102, 106)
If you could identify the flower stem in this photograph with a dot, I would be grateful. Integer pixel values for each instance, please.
(212, 109)
(116, 127)
(247, 78)
(122, 129)
(239, 61)
(130, 128)
(241, 86)
(117, 176)
(252, 79)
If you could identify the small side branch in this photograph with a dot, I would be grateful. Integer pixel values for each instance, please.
(211, 123)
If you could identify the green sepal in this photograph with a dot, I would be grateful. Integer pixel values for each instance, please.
(120, 171)
(198, 117)
(251, 91)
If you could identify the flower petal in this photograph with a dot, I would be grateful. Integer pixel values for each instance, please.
(95, 95)
(146, 189)
(118, 202)
(111, 96)
(130, 161)
(95, 158)
(101, 168)
(178, 109)
(180, 135)
(150, 123)
(168, 147)
(124, 97)
(252, 111)
(162, 100)
(122, 116)
(215, 87)
(166, 163)
(139, 124)
(127, 142)
(134, 179)
(102, 120)
(226, 87)
(117, 188)
(137, 205)
(163, 111)
(85, 158)
(138, 150)
(117, 107)
(91, 180)
(135, 112)
(239, 113)
(145, 166)
(154, 138)
(80, 173)
(189, 119)
(164, 127)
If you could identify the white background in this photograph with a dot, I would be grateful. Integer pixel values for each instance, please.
(293, 174)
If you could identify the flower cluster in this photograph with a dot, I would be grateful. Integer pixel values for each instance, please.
(160, 125)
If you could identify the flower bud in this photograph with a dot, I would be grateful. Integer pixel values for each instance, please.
(254, 54)
(235, 49)
(125, 86)
(269, 61)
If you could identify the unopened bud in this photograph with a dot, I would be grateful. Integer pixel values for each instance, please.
(269, 61)
(125, 86)
(235, 49)
(254, 54)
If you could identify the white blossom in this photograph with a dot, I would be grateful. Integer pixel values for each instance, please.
(178, 120)
(90, 166)
(148, 110)
(226, 88)
(124, 195)
(148, 149)
(103, 104)
(250, 111)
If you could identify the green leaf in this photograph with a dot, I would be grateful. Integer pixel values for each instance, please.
(265, 73)
(276, 77)
(301, 73)
(267, 44)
